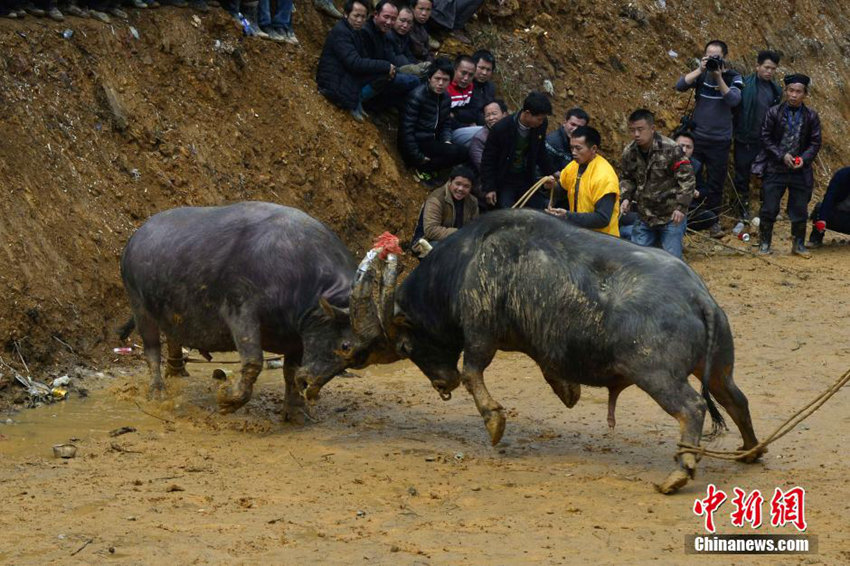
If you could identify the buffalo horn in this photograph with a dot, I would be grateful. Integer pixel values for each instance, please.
(364, 315)
(388, 292)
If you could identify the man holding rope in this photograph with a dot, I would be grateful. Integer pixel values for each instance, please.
(591, 185)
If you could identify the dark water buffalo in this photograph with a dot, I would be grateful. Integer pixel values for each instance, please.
(588, 308)
(249, 277)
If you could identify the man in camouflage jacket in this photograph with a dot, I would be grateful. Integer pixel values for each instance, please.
(659, 180)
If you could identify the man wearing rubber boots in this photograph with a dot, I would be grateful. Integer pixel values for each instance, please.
(791, 137)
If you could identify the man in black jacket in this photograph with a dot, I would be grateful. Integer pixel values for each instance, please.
(378, 45)
(791, 136)
(344, 68)
(515, 150)
(424, 135)
(558, 142)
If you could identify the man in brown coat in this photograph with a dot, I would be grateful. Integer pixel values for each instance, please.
(447, 209)
(450, 207)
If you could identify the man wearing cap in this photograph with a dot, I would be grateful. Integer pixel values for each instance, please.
(791, 137)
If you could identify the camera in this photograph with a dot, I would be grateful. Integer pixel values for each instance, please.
(714, 63)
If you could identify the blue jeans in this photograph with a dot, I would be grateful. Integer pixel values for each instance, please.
(282, 17)
(669, 236)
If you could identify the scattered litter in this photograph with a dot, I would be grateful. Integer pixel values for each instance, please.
(361, 513)
(174, 487)
(662, 4)
(219, 374)
(68, 34)
(196, 21)
(430, 458)
(412, 491)
(135, 174)
(134, 32)
(124, 351)
(64, 451)
(672, 54)
(122, 430)
(58, 393)
(459, 456)
(61, 381)
(549, 87)
(274, 364)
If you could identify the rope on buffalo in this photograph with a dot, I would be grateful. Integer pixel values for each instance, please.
(188, 359)
(768, 261)
(781, 431)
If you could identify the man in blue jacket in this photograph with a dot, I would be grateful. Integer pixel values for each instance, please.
(717, 91)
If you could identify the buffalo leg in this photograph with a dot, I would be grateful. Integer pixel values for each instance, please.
(294, 408)
(684, 404)
(149, 331)
(723, 388)
(567, 391)
(175, 366)
(246, 336)
(492, 412)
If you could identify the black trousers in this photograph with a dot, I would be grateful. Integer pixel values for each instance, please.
(442, 155)
(714, 156)
(745, 154)
(513, 186)
(799, 195)
(838, 220)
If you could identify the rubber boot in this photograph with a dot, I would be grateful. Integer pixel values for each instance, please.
(765, 236)
(816, 237)
(798, 247)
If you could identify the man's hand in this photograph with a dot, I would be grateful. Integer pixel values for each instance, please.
(798, 163)
(550, 182)
(696, 193)
(677, 217)
(490, 198)
(559, 212)
(392, 71)
(788, 160)
(624, 206)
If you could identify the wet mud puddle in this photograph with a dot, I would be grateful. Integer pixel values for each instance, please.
(34, 432)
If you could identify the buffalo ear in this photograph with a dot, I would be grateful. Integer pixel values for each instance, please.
(330, 311)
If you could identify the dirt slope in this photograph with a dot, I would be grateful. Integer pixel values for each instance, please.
(102, 130)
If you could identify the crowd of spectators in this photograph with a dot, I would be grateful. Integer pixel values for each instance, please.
(451, 119)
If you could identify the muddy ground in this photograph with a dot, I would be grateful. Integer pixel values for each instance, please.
(390, 474)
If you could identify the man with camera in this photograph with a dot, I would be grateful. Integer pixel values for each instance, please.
(717, 91)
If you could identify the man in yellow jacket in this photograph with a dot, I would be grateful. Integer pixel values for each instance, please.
(591, 184)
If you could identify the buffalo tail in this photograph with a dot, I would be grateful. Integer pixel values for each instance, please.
(709, 315)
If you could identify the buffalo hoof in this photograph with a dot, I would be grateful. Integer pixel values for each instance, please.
(754, 457)
(295, 411)
(156, 392)
(674, 482)
(230, 400)
(312, 392)
(495, 422)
